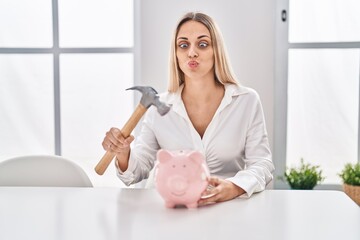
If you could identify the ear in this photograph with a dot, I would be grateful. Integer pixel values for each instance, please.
(196, 156)
(163, 156)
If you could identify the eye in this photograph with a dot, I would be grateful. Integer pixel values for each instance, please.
(184, 166)
(173, 166)
(203, 44)
(183, 45)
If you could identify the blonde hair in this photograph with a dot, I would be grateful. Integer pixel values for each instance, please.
(223, 71)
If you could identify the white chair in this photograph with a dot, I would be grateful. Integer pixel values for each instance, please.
(42, 171)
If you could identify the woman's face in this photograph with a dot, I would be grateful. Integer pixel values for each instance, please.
(194, 51)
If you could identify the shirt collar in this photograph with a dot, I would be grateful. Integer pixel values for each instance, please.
(231, 90)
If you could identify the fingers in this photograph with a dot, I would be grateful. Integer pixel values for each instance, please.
(212, 193)
(214, 181)
(220, 190)
(115, 141)
(212, 188)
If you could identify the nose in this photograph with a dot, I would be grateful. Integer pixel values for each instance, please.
(192, 52)
(177, 184)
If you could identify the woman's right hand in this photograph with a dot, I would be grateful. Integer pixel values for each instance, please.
(115, 142)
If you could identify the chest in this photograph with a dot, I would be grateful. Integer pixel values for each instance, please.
(201, 116)
(226, 129)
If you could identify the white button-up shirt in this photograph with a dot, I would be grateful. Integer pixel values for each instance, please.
(235, 142)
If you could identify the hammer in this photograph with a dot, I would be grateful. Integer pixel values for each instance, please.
(149, 97)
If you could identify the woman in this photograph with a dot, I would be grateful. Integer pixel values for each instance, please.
(210, 113)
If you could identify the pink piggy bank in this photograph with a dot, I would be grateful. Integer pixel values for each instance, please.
(181, 177)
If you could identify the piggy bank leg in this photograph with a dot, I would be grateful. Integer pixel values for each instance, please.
(169, 204)
(192, 205)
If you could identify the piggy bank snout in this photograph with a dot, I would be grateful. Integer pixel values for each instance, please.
(177, 183)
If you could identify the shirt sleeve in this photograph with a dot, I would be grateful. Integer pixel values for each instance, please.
(143, 154)
(259, 167)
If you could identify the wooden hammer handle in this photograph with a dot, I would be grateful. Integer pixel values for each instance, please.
(125, 131)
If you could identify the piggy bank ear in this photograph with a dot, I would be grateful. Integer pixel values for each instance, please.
(163, 155)
(196, 157)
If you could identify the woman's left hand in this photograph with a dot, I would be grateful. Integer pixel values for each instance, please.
(221, 190)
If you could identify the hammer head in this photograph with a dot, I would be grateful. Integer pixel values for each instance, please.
(150, 97)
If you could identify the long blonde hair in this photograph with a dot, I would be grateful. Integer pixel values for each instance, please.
(223, 71)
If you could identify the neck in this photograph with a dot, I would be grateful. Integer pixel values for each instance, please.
(202, 90)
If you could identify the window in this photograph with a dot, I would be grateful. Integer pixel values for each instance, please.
(317, 84)
(64, 68)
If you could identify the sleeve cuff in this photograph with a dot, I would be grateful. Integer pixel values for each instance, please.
(126, 177)
(246, 181)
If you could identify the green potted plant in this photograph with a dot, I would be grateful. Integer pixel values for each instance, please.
(350, 176)
(306, 176)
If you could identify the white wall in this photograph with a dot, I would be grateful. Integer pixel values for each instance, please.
(248, 29)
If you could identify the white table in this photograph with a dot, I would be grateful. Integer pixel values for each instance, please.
(111, 213)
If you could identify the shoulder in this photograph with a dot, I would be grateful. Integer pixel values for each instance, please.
(166, 96)
(170, 97)
(241, 91)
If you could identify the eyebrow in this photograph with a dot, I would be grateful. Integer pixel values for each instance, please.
(202, 36)
(185, 38)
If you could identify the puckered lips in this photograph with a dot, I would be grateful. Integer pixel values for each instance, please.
(193, 64)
